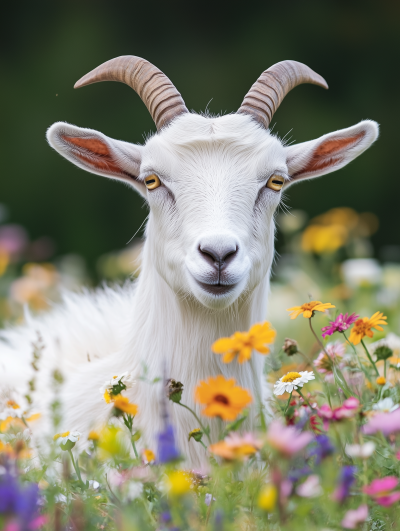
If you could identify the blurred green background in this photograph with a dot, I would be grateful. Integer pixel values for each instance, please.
(213, 52)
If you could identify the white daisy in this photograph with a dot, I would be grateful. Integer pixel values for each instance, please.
(360, 450)
(385, 406)
(124, 378)
(12, 409)
(68, 439)
(292, 381)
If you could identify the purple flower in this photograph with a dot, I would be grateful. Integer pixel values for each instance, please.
(167, 450)
(298, 473)
(322, 449)
(340, 324)
(346, 480)
(20, 503)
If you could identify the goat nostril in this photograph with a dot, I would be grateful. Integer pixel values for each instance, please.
(219, 256)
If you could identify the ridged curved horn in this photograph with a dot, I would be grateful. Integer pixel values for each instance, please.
(157, 92)
(267, 93)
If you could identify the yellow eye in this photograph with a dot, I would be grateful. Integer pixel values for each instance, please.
(152, 181)
(275, 182)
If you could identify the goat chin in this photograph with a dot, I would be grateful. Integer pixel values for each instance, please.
(94, 335)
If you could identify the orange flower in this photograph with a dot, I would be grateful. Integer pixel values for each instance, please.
(309, 308)
(122, 403)
(236, 447)
(222, 398)
(363, 327)
(148, 455)
(243, 343)
(381, 380)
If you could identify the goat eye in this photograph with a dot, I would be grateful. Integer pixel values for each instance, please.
(275, 182)
(152, 181)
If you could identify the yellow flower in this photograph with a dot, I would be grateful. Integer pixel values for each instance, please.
(122, 403)
(222, 398)
(13, 422)
(149, 455)
(243, 343)
(268, 497)
(93, 435)
(13, 404)
(363, 327)
(58, 435)
(381, 380)
(323, 239)
(107, 397)
(178, 483)
(112, 443)
(309, 308)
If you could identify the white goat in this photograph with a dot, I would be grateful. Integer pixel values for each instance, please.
(212, 185)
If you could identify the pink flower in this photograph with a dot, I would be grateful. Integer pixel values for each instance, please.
(340, 324)
(288, 440)
(323, 363)
(353, 518)
(346, 411)
(387, 423)
(380, 489)
(310, 488)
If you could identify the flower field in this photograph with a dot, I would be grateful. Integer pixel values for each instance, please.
(325, 454)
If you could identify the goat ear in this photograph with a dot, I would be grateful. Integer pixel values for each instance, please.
(97, 153)
(330, 152)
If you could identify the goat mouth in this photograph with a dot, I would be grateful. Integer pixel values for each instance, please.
(216, 289)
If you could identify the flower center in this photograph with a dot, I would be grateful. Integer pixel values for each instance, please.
(222, 399)
(290, 377)
(65, 434)
(308, 306)
(360, 326)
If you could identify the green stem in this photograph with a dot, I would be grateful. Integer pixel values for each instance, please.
(305, 399)
(205, 431)
(358, 358)
(287, 405)
(204, 446)
(369, 357)
(76, 467)
(384, 368)
(317, 338)
(134, 447)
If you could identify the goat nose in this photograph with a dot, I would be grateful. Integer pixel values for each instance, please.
(219, 255)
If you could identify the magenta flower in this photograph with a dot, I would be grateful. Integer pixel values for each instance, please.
(288, 440)
(323, 363)
(380, 490)
(347, 410)
(340, 324)
(387, 423)
(352, 519)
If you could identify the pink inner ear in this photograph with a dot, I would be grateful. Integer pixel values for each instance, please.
(328, 153)
(97, 155)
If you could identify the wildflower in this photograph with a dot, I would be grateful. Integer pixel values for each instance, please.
(235, 446)
(387, 423)
(167, 450)
(298, 473)
(178, 483)
(334, 352)
(353, 518)
(208, 499)
(360, 450)
(386, 405)
(19, 505)
(380, 490)
(242, 344)
(381, 380)
(340, 324)
(93, 435)
(363, 327)
(347, 410)
(174, 390)
(310, 488)
(222, 398)
(134, 491)
(268, 497)
(112, 443)
(116, 385)
(291, 381)
(290, 347)
(195, 434)
(287, 439)
(148, 455)
(121, 403)
(322, 449)
(309, 308)
(346, 480)
(358, 272)
(67, 440)
(383, 353)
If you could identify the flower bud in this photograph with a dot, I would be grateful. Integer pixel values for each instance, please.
(174, 390)
(383, 353)
(290, 347)
(195, 434)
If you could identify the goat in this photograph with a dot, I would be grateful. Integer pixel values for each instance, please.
(212, 184)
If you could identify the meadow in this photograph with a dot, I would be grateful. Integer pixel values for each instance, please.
(325, 454)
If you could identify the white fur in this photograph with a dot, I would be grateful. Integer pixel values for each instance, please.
(214, 172)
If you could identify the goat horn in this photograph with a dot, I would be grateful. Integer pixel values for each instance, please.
(157, 92)
(267, 93)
